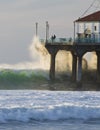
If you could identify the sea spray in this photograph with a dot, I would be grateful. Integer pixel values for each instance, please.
(93, 61)
(35, 55)
(40, 58)
(40, 53)
(63, 62)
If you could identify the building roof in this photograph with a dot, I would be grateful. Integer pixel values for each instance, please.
(94, 17)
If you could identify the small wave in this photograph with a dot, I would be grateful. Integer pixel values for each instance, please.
(51, 113)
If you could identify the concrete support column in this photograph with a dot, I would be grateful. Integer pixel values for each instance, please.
(98, 66)
(79, 70)
(74, 67)
(52, 66)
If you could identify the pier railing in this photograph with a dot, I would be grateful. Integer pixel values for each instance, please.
(87, 40)
(70, 41)
(58, 41)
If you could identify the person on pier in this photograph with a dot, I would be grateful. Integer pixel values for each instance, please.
(53, 37)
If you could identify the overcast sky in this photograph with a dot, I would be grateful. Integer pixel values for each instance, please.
(17, 23)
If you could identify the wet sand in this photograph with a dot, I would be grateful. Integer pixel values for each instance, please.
(53, 86)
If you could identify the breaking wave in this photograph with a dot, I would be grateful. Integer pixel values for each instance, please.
(52, 113)
(19, 76)
(26, 106)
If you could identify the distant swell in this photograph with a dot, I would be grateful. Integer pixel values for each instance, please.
(58, 112)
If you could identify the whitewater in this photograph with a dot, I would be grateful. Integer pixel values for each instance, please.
(52, 110)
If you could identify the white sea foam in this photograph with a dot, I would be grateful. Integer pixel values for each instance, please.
(44, 105)
(61, 112)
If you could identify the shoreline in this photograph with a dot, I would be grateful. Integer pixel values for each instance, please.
(52, 86)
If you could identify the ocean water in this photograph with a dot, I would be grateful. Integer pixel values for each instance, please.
(49, 110)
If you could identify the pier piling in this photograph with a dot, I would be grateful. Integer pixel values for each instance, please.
(52, 67)
(79, 70)
(74, 67)
(98, 66)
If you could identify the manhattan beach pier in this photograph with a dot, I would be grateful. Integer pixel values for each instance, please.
(86, 39)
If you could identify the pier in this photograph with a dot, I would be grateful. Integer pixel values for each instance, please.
(86, 39)
(77, 51)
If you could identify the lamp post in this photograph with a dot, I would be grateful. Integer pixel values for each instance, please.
(36, 28)
(74, 31)
(47, 31)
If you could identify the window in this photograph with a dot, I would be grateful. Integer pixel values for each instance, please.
(95, 28)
